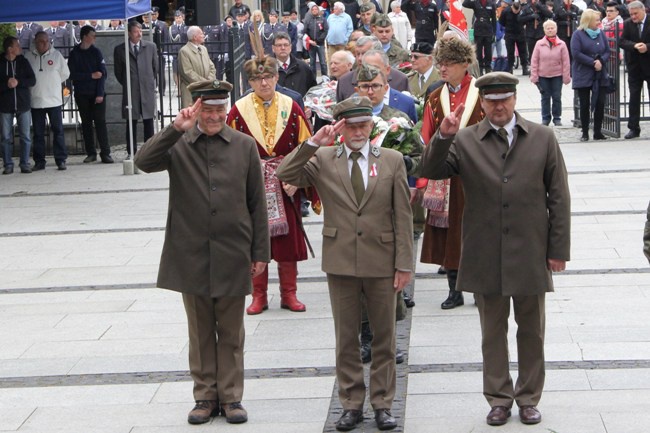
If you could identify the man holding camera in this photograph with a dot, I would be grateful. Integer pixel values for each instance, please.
(515, 35)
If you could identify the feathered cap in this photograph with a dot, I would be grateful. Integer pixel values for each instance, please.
(261, 63)
(454, 51)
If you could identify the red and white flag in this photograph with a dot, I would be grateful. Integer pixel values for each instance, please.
(456, 18)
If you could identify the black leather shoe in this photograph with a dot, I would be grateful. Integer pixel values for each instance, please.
(442, 270)
(599, 137)
(408, 300)
(8, 170)
(106, 159)
(399, 356)
(90, 158)
(25, 169)
(584, 137)
(38, 166)
(498, 415)
(633, 133)
(349, 420)
(384, 419)
(455, 299)
(61, 165)
(304, 209)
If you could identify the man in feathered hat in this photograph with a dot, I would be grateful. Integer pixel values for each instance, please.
(444, 198)
(278, 125)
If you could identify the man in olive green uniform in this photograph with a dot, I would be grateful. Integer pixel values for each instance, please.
(382, 29)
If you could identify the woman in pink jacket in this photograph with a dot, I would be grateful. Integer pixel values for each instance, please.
(550, 68)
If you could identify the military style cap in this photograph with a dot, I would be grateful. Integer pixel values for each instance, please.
(211, 92)
(286, 13)
(240, 11)
(366, 7)
(367, 73)
(355, 109)
(273, 12)
(422, 48)
(381, 20)
(155, 9)
(178, 13)
(497, 85)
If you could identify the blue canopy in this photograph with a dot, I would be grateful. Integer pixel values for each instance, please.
(66, 10)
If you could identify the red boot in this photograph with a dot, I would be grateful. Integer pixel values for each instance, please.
(288, 273)
(260, 300)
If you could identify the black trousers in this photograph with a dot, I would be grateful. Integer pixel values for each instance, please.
(132, 127)
(635, 84)
(520, 42)
(483, 51)
(584, 94)
(93, 116)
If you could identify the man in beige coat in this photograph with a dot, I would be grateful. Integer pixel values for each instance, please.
(194, 63)
(516, 232)
(216, 239)
(367, 248)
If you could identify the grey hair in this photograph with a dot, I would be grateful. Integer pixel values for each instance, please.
(365, 40)
(347, 56)
(192, 32)
(395, 4)
(339, 5)
(380, 53)
(636, 4)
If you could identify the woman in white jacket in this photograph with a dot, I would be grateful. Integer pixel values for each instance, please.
(550, 68)
(51, 69)
(401, 24)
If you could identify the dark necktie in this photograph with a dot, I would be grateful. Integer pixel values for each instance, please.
(272, 27)
(136, 50)
(503, 134)
(422, 81)
(356, 177)
(640, 25)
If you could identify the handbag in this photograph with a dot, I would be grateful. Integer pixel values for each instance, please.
(610, 85)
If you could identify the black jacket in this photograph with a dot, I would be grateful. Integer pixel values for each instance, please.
(16, 100)
(510, 22)
(485, 17)
(533, 16)
(298, 76)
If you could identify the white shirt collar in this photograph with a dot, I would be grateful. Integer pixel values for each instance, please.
(364, 150)
(509, 127)
(427, 74)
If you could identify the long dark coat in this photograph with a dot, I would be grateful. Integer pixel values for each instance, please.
(517, 205)
(144, 70)
(216, 220)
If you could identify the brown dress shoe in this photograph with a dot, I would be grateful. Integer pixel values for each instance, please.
(234, 413)
(530, 415)
(498, 415)
(202, 412)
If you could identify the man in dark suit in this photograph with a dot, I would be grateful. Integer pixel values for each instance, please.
(218, 239)
(367, 248)
(143, 69)
(635, 40)
(513, 176)
(294, 73)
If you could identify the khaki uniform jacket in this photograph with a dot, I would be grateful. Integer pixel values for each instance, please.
(414, 83)
(370, 239)
(216, 219)
(193, 66)
(517, 205)
(396, 54)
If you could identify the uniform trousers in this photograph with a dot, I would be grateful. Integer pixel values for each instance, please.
(216, 346)
(346, 299)
(494, 311)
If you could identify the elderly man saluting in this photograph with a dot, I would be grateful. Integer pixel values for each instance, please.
(516, 233)
(216, 239)
(367, 248)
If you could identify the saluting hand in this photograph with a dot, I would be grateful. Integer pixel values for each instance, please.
(186, 118)
(451, 123)
(326, 135)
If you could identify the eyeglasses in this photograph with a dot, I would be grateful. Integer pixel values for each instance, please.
(259, 78)
(417, 56)
(282, 45)
(375, 87)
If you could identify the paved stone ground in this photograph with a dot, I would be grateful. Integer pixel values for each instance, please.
(88, 344)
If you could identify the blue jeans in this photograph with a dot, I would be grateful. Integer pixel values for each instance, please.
(313, 52)
(551, 89)
(55, 114)
(7, 123)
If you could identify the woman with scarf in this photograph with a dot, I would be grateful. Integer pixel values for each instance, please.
(590, 52)
(550, 68)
